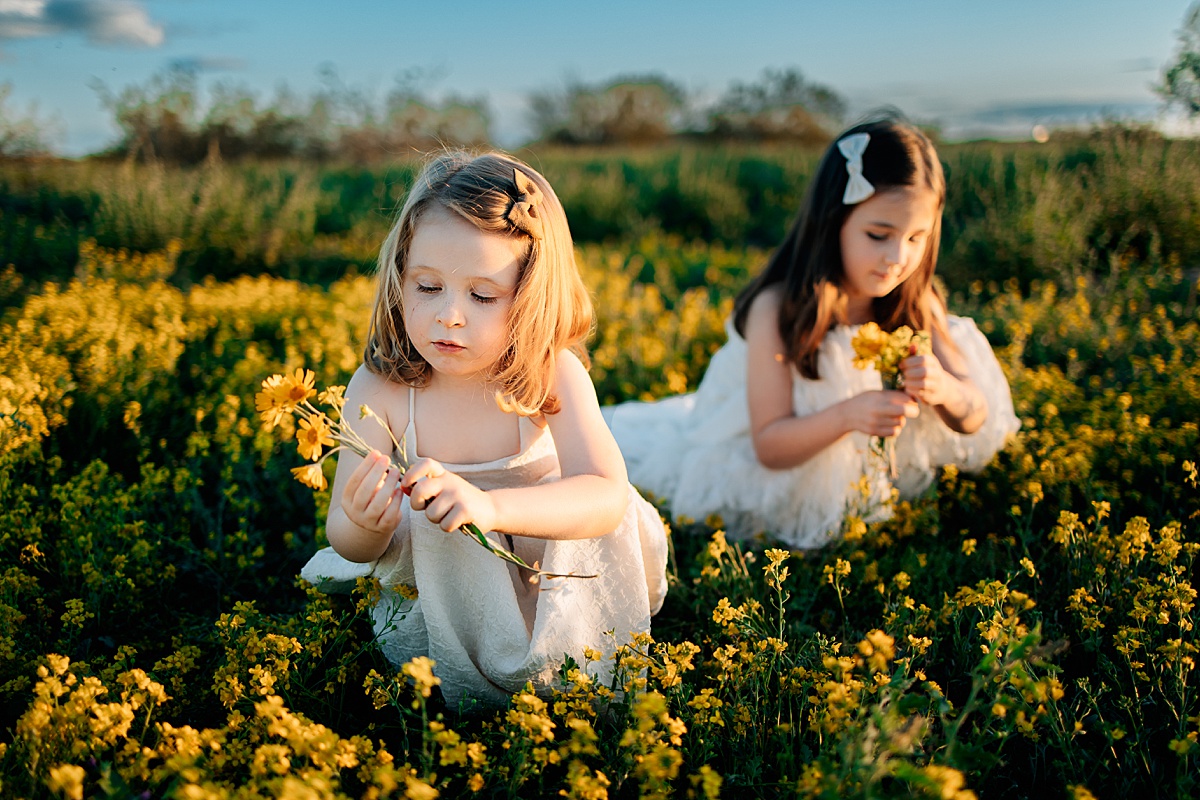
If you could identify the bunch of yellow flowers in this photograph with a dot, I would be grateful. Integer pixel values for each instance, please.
(874, 347)
(282, 395)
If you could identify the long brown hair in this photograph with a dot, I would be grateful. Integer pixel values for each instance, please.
(551, 310)
(808, 263)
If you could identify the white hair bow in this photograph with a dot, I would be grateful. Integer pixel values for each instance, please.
(858, 188)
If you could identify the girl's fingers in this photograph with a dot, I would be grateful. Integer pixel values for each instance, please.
(422, 491)
(422, 468)
(447, 513)
(453, 520)
(391, 517)
(387, 491)
(374, 468)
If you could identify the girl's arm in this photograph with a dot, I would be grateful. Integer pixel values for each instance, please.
(364, 506)
(588, 501)
(943, 381)
(781, 438)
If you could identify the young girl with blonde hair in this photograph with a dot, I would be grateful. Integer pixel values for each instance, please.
(777, 436)
(475, 353)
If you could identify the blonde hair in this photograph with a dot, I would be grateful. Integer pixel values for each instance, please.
(808, 264)
(551, 310)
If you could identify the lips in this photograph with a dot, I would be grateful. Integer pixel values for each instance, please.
(448, 347)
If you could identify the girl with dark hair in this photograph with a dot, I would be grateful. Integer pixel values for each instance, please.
(777, 438)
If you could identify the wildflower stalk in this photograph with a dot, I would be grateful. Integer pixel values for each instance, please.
(290, 394)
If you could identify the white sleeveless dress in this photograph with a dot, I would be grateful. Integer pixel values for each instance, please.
(694, 451)
(488, 629)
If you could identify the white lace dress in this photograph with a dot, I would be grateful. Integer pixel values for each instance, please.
(489, 630)
(694, 451)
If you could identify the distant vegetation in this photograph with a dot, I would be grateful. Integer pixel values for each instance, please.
(170, 119)
(1181, 79)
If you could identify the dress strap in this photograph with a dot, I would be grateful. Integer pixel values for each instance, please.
(527, 430)
(410, 431)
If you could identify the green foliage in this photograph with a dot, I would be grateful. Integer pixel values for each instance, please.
(1115, 199)
(1181, 80)
(633, 109)
(160, 121)
(782, 106)
(23, 135)
(1023, 631)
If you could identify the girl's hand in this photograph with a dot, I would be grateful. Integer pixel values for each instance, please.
(926, 380)
(880, 413)
(446, 498)
(371, 497)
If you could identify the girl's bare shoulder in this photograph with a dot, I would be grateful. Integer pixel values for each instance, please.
(571, 378)
(386, 398)
(766, 303)
(763, 318)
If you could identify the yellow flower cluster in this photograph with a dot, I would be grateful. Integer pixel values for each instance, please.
(875, 348)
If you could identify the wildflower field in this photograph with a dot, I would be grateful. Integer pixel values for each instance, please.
(1023, 632)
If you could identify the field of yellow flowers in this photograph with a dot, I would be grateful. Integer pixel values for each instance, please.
(1023, 632)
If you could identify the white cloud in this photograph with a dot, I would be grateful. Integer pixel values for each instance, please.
(113, 23)
(28, 8)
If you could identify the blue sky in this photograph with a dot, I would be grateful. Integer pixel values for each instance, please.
(977, 68)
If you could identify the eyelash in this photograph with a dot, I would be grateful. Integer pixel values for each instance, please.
(881, 237)
(479, 298)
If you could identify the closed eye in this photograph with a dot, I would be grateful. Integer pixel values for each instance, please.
(878, 237)
(423, 289)
(479, 298)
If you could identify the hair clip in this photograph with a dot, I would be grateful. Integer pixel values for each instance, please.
(523, 213)
(858, 188)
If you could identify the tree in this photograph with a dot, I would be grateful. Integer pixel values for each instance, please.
(23, 135)
(782, 105)
(157, 120)
(628, 109)
(1181, 80)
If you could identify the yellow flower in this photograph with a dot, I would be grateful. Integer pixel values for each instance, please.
(334, 396)
(868, 343)
(312, 435)
(269, 403)
(67, 780)
(282, 393)
(420, 669)
(884, 351)
(295, 389)
(776, 556)
(950, 783)
(311, 476)
(878, 649)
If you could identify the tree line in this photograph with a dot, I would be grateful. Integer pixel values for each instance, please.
(170, 119)
(167, 119)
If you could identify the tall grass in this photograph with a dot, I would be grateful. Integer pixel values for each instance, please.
(1084, 205)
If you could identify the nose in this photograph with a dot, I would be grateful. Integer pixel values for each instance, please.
(893, 256)
(897, 254)
(451, 314)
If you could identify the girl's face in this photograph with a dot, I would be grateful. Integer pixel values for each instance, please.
(883, 242)
(458, 286)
